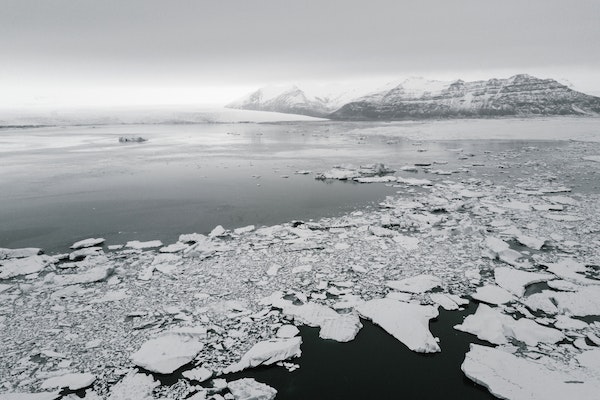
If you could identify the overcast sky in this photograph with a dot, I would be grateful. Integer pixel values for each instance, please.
(176, 51)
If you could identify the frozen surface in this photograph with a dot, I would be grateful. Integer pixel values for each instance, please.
(268, 352)
(510, 377)
(407, 322)
(167, 353)
(250, 389)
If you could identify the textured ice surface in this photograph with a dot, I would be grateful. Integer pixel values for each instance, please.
(250, 389)
(266, 353)
(508, 376)
(167, 353)
(407, 322)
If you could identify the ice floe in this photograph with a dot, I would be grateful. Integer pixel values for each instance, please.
(266, 353)
(73, 381)
(407, 322)
(167, 353)
(415, 284)
(250, 389)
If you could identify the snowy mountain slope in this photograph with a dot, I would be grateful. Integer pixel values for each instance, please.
(418, 98)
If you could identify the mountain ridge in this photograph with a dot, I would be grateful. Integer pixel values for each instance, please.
(418, 98)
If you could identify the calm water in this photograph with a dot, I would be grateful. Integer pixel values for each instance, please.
(59, 185)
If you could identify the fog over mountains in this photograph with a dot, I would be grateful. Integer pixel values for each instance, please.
(419, 98)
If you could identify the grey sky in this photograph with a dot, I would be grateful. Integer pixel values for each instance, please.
(72, 46)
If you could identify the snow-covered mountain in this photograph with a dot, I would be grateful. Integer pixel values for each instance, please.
(418, 98)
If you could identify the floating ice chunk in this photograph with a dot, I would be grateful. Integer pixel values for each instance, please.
(193, 331)
(584, 302)
(301, 268)
(515, 281)
(492, 294)
(30, 396)
(250, 389)
(414, 181)
(416, 284)
(444, 300)
(87, 243)
(341, 174)
(570, 270)
(272, 271)
(496, 245)
(376, 179)
(516, 205)
(567, 323)
(85, 252)
(24, 266)
(94, 274)
(136, 244)
(510, 377)
(562, 200)
(381, 232)
(167, 353)
(72, 381)
(408, 242)
(407, 322)
(244, 229)
(490, 324)
(342, 329)
(19, 253)
(531, 242)
(174, 248)
(541, 302)
(266, 353)
(134, 386)
(287, 331)
(217, 231)
(563, 217)
(199, 374)
(563, 286)
(311, 314)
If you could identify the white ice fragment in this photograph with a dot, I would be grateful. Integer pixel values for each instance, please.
(381, 232)
(311, 314)
(342, 329)
(23, 266)
(490, 324)
(94, 274)
(19, 253)
(584, 302)
(515, 281)
(133, 386)
(416, 284)
(217, 231)
(199, 374)
(250, 389)
(496, 245)
(408, 242)
(407, 322)
(73, 381)
(30, 396)
(167, 353)
(541, 302)
(272, 271)
(266, 353)
(563, 217)
(414, 181)
(91, 242)
(244, 229)
(492, 294)
(443, 300)
(287, 331)
(85, 252)
(174, 248)
(508, 376)
(567, 323)
(570, 270)
(136, 244)
(531, 242)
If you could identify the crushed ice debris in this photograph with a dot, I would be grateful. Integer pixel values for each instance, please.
(134, 385)
(407, 322)
(250, 389)
(167, 353)
(266, 353)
